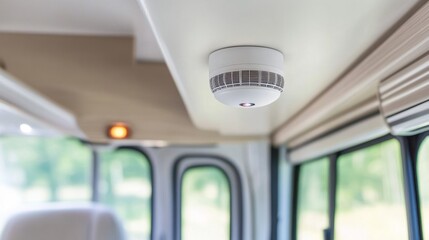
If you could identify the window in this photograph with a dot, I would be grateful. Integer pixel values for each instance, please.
(312, 205)
(208, 199)
(41, 169)
(205, 204)
(370, 200)
(423, 179)
(125, 186)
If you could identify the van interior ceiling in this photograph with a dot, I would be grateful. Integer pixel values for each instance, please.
(214, 120)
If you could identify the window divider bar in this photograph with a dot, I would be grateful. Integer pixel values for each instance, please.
(329, 235)
(294, 202)
(274, 191)
(95, 176)
(409, 147)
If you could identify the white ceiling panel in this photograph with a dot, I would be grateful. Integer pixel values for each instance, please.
(319, 39)
(145, 44)
(82, 17)
(111, 17)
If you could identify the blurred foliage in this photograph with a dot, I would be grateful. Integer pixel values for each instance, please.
(313, 205)
(370, 202)
(370, 175)
(205, 204)
(125, 179)
(52, 163)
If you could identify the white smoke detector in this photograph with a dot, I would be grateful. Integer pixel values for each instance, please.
(246, 76)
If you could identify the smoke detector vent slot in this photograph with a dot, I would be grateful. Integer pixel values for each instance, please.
(257, 78)
(243, 75)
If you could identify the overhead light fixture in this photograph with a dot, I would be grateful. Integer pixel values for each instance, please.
(246, 76)
(25, 128)
(118, 130)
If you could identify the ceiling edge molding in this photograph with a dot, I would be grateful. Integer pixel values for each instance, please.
(145, 7)
(409, 42)
(362, 110)
(35, 105)
(363, 131)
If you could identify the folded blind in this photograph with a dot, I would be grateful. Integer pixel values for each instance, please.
(360, 132)
(404, 99)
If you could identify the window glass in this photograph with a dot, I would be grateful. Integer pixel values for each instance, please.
(312, 205)
(370, 200)
(423, 180)
(38, 170)
(205, 204)
(125, 186)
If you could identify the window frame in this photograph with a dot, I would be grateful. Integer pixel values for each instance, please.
(332, 188)
(97, 180)
(409, 206)
(296, 171)
(411, 148)
(275, 173)
(187, 162)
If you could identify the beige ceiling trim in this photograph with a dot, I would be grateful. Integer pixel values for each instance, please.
(96, 79)
(363, 131)
(406, 44)
(366, 108)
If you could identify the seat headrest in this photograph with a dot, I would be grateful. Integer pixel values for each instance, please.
(60, 222)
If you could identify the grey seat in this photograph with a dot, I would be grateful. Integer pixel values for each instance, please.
(62, 222)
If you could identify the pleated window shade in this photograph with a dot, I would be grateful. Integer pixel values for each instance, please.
(404, 99)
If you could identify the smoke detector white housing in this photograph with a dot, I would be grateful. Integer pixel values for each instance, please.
(246, 76)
